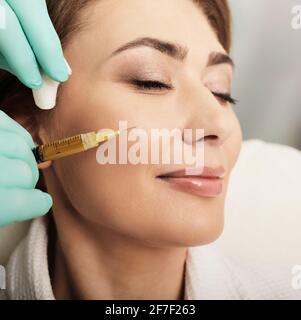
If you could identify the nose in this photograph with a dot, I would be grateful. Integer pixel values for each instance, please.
(207, 113)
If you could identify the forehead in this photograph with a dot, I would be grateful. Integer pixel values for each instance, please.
(114, 22)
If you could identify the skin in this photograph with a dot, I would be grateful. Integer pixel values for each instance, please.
(121, 233)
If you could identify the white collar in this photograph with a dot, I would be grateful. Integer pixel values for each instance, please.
(207, 274)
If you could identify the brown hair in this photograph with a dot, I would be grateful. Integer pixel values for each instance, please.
(16, 100)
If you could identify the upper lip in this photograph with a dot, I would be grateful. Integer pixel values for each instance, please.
(207, 172)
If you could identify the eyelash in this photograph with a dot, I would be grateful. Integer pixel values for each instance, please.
(225, 97)
(149, 84)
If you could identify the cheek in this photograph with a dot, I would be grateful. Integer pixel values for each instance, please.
(106, 194)
(85, 108)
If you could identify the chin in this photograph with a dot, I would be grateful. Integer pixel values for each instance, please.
(188, 232)
(187, 220)
(201, 234)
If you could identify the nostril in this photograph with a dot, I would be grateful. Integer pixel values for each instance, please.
(211, 137)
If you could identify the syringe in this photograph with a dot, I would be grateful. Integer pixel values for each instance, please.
(73, 145)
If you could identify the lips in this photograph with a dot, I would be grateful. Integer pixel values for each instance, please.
(203, 183)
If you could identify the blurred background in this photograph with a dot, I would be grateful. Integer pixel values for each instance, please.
(267, 83)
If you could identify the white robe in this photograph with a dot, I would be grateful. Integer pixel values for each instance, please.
(208, 276)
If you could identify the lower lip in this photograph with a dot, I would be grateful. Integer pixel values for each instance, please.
(202, 187)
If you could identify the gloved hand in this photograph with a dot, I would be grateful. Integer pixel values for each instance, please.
(19, 200)
(29, 36)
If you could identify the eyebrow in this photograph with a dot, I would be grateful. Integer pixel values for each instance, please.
(173, 50)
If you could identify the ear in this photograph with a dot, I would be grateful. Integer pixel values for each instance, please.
(45, 165)
(38, 133)
(41, 137)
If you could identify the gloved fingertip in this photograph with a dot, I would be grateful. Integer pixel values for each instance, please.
(68, 67)
(48, 201)
(61, 75)
(60, 71)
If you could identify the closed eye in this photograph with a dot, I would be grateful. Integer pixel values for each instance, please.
(225, 97)
(150, 84)
(157, 85)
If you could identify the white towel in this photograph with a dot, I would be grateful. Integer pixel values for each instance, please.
(209, 275)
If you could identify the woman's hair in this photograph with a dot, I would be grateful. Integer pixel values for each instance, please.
(64, 15)
(16, 100)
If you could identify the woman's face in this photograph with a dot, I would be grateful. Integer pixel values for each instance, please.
(102, 91)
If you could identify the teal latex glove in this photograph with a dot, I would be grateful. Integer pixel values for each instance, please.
(28, 40)
(19, 200)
